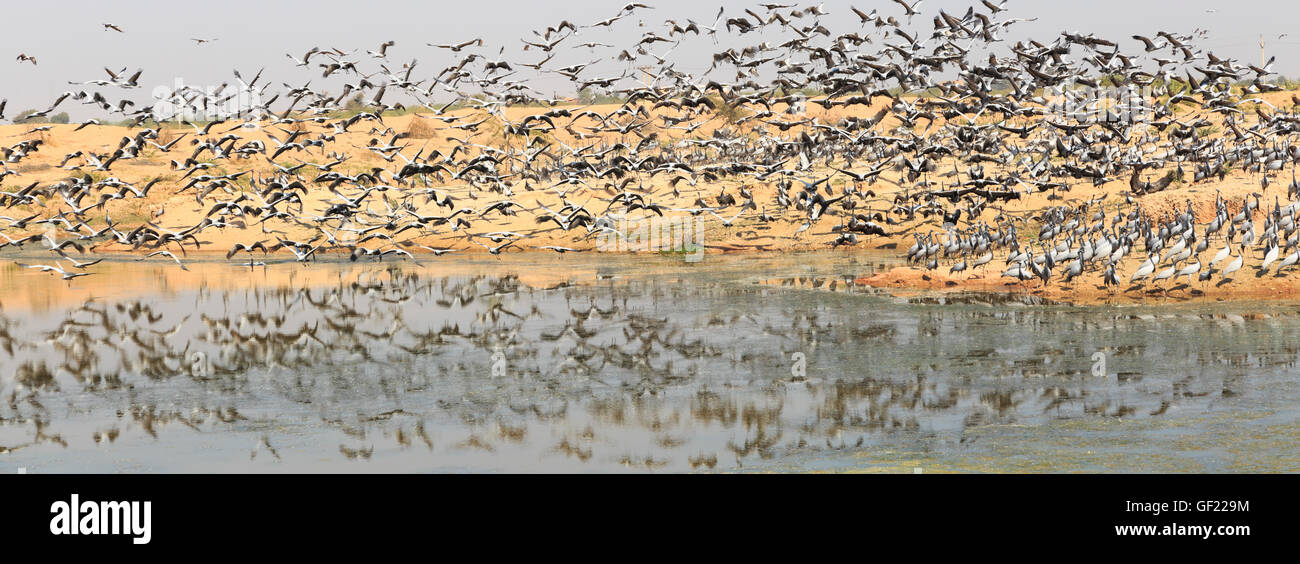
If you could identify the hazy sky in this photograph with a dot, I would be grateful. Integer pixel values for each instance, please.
(70, 43)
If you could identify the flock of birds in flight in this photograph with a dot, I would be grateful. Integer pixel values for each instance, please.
(964, 131)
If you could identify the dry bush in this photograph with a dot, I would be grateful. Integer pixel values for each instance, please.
(303, 126)
(166, 136)
(732, 113)
(34, 167)
(44, 137)
(421, 128)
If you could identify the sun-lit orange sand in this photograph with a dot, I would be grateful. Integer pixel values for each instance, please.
(170, 206)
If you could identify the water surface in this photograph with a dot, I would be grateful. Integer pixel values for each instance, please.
(592, 363)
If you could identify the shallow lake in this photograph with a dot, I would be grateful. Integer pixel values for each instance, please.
(597, 363)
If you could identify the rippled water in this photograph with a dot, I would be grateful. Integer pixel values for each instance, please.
(601, 364)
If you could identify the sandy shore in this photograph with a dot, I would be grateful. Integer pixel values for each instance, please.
(728, 230)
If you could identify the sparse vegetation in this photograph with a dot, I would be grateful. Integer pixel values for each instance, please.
(729, 111)
(421, 128)
(26, 117)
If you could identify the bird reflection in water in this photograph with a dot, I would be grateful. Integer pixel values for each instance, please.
(405, 370)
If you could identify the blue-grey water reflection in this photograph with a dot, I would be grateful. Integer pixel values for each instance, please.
(592, 364)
